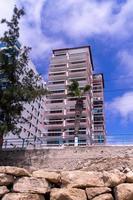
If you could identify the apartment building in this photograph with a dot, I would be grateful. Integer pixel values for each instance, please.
(98, 127)
(32, 115)
(66, 65)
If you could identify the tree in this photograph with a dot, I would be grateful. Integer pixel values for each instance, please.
(75, 91)
(18, 83)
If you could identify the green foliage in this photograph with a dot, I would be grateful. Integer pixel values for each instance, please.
(75, 91)
(18, 83)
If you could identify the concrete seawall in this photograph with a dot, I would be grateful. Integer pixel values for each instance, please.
(69, 158)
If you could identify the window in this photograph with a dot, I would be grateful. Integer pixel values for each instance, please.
(100, 138)
(56, 111)
(59, 65)
(59, 82)
(54, 134)
(54, 130)
(30, 125)
(78, 62)
(57, 91)
(53, 142)
(79, 70)
(28, 134)
(56, 74)
(57, 101)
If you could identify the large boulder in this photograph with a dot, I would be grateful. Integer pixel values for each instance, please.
(6, 179)
(124, 191)
(104, 197)
(52, 177)
(81, 179)
(95, 191)
(16, 171)
(129, 177)
(22, 196)
(3, 190)
(31, 185)
(68, 194)
(113, 178)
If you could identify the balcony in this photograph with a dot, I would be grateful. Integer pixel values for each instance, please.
(55, 93)
(54, 124)
(55, 106)
(98, 94)
(71, 103)
(57, 77)
(72, 112)
(56, 81)
(53, 137)
(72, 124)
(56, 73)
(56, 87)
(78, 78)
(82, 74)
(78, 57)
(58, 60)
(78, 65)
(49, 114)
(55, 68)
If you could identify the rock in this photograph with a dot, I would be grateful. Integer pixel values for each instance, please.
(31, 185)
(6, 179)
(113, 178)
(124, 191)
(3, 190)
(104, 197)
(68, 194)
(16, 171)
(126, 170)
(81, 179)
(53, 177)
(95, 191)
(129, 176)
(22, 196)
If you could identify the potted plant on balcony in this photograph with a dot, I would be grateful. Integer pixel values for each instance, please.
(75, 91)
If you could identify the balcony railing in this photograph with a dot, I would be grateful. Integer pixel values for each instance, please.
(57, 77)
(58, 59)
(77, 66)
(54, 125)
(77, 57)
(56, 68)
(72, 124)
(77, 74)
(56, 86)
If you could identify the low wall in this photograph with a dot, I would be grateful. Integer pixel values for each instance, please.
(69, 158)
(18, 183)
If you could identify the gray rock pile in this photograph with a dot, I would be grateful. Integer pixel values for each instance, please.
(18, 184)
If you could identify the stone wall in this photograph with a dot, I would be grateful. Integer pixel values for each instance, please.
(70, 158)
(20, 184)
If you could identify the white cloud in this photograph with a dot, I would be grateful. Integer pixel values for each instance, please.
(6, 9)
(48, 22)
(122, 106)
(31, 30)
(125, 67)
(84, 18)
(126, 61)
(31, 33)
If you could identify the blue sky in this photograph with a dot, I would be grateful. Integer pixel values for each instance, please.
(107, 26)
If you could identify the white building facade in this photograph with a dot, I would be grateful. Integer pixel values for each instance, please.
(33, 116)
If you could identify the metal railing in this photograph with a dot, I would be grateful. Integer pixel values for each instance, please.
(44, 142)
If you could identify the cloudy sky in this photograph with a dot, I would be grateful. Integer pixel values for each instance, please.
(106, 25)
